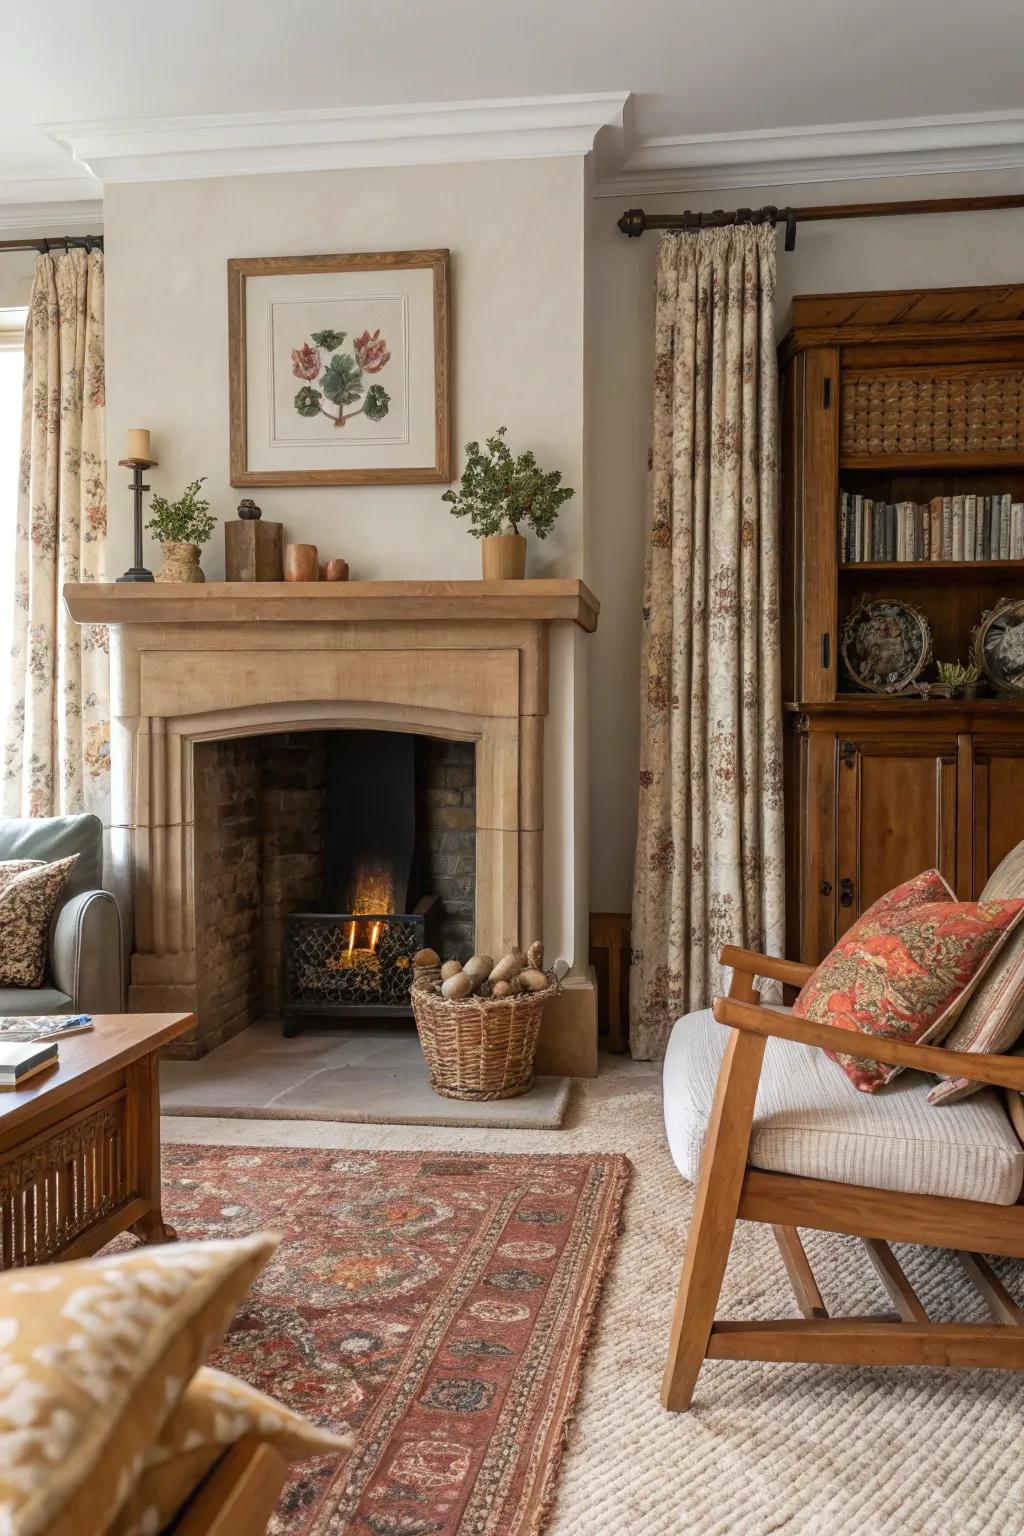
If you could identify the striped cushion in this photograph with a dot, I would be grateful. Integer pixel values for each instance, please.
(1007, 879)
(810, 1121)
(993, 1020)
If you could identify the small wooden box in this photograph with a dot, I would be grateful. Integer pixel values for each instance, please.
(253, 551)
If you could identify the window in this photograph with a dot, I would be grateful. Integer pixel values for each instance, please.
(12, 362)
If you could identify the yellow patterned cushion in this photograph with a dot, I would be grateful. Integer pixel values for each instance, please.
(94, 1355)
(215, 1411)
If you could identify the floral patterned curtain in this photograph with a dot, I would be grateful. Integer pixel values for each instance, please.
(57, 757)
(709, 860)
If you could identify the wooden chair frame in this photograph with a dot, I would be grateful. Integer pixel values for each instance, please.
(239, 1494)
(730, 1190)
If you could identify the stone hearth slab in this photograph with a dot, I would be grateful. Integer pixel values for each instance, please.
(370, 1074)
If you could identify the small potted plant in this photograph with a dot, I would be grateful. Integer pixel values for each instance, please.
(957, 681)
(500, 494)
(181, 528)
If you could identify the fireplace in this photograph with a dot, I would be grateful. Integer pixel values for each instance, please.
(469, 667)
(326, 859)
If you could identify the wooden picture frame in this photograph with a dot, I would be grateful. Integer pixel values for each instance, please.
(430, 466)
(1007, 619)
(906, 667)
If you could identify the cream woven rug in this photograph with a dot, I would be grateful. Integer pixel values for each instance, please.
(780, 1449)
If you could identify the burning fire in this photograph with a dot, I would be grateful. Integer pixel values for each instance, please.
(374, 895)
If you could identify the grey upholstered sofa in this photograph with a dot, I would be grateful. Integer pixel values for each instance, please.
(84, 964)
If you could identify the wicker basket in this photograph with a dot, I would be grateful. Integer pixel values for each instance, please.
(479, 1047)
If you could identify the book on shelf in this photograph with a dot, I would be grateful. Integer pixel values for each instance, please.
(957, 528)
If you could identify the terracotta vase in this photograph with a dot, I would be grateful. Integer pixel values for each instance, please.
(181, 563)
(504, 556)
(301, 562)
(334, 570)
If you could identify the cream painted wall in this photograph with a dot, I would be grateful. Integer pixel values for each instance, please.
(16, 268)
(943, 251)
(516, 235)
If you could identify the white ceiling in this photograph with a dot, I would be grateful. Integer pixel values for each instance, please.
(693, 67)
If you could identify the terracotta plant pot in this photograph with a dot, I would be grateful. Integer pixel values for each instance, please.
(181, 563)
(334, 570)
(504, 557)
(301, 562)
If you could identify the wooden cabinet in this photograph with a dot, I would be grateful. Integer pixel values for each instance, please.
(998, 799)
(895, 815)
(875, 798)
(894, 397)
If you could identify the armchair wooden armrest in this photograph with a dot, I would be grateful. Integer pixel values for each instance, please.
(1006, 1071)
(790, 972)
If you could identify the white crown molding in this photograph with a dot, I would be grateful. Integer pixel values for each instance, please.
(922, 146)
(70, 217)
(173, 148)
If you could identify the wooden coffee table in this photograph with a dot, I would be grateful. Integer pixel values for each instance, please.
(80, 1143)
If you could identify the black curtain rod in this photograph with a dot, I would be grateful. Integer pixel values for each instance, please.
(47, 243)
(635, 222)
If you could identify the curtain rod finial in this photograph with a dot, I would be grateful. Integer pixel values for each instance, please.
(633, 223)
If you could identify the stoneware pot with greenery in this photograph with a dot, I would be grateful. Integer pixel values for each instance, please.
(181, 528)
(500, 494)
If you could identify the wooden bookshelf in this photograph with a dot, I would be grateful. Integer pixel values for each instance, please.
(1014, 569)
(879, 788)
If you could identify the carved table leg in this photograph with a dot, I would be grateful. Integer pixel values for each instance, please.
(144, 1148)
(152, 1228)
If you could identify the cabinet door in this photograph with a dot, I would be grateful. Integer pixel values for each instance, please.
(998, 803)
(895, 816)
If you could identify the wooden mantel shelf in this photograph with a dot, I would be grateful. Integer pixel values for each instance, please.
(220, 602)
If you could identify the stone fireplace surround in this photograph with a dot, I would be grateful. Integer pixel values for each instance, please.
(463, 661)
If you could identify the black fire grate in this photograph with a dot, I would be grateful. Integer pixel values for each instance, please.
(339, 963)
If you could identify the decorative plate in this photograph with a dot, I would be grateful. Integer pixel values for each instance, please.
(997, 645)
(886, 645)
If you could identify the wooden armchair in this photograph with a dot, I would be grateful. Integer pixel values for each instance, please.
(730, 1189)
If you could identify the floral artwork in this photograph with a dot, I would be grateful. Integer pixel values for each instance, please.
(338, 369)
(335, 379)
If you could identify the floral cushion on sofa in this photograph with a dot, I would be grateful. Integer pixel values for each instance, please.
(29, 893)
(906, 969)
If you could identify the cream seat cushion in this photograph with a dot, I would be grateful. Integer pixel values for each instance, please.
(810, 1120)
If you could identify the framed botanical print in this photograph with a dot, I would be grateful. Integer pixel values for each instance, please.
(339, 369)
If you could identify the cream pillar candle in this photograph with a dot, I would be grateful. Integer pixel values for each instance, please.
(138, 444)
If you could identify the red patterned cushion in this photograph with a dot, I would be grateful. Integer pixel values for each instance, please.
(906, 969)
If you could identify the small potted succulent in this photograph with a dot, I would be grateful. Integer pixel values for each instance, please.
(181, 528)
(501, 494)
(957, 681)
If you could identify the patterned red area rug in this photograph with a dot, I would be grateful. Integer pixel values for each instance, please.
(438, 1304)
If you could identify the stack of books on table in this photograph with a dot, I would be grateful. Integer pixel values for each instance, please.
(945, 528)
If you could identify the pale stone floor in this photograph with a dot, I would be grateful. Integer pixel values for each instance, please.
(357, 1072)
(787, 1450)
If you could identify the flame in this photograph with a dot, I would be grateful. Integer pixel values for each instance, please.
(374, 895)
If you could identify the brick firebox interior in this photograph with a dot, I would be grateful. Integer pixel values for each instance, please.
(260, 811)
